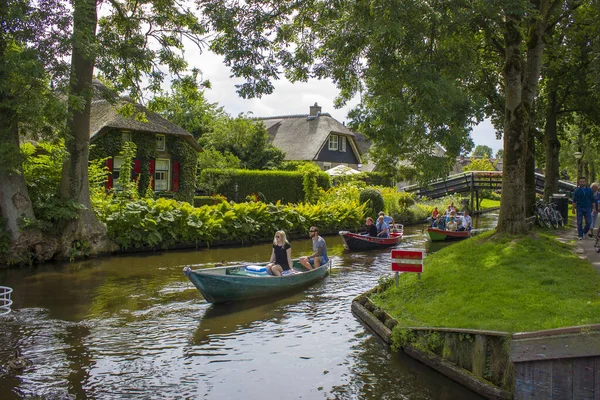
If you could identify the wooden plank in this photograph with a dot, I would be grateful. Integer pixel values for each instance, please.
(479, 355)
(372, 322)
(460, 330)
(523, 381)
(583, 378)
(542, 380)
(554, 347)
(562, 379)
(462, 376)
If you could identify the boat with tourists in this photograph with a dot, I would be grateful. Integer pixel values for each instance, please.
(359, 242)
(440, 235)
(250, 281)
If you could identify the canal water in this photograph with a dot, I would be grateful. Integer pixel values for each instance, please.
(134, 327)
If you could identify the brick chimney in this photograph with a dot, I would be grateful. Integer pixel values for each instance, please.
(315, 110)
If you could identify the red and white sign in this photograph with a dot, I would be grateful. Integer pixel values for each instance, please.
(407, 261)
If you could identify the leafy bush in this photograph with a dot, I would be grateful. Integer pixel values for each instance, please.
(167, 222)
(236, 184)
(373, 200)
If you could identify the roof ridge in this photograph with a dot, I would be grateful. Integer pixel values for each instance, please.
(293, 116)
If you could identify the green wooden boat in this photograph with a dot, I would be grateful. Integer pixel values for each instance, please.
(438, 235)
(249, 281)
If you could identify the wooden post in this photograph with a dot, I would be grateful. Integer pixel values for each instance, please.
(397, 275)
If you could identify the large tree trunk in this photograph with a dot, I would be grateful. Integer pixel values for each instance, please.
(521, 81)
(512, 205)
(26, 245)
(552, 147)
(86, 230)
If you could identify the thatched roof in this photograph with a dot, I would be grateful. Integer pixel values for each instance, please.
(302, 136)
(105, 114)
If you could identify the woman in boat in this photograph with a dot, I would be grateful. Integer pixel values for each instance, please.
(281, 256)
(371, 228)
(451, 225)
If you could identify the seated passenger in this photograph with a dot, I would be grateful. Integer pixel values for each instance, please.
(435, 213)
(281, 256)
(438, 222)
(387, 219)
(466, 222)
(451, 225)
(319, 256)
(382, 227)
(371, 228)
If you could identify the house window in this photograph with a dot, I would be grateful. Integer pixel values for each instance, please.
(125, 137)
(161, 175)
(116, 172)
(343, 143)
(333, 142)
(161, 143)
(326, 166)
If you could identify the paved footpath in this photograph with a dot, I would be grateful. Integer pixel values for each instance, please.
(585, 248)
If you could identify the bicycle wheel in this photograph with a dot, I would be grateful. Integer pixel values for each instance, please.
(546, 219)
(552, 218)
(559, 218)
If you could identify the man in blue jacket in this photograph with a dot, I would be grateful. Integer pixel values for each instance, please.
(583, 201)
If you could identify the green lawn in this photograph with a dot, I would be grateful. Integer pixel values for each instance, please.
(487, 203)
(499, 283)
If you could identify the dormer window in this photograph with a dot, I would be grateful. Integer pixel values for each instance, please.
(125, 137)
(333, 142)
(343, 143)
(161, 143)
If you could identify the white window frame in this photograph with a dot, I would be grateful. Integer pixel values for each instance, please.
(125, 136)
(326, 166)
(333, 142)
(343, 144)
(167, 175)
(158, 143)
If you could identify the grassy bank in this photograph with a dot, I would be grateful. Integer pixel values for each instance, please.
(498, 283)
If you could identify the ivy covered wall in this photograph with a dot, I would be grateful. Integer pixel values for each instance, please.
(188, 160)
(109, 145)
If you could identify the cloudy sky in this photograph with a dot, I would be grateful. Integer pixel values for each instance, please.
(296, 98)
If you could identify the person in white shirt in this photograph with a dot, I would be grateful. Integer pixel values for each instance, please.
(466, 222)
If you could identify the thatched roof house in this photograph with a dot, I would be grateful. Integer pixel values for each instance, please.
(316, 137)
(105, 116)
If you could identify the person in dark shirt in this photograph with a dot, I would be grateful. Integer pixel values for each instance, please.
(281, 256)
(583, 202)
(371, 228)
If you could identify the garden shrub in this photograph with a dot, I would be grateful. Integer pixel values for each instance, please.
(373, 200)
(273, 186)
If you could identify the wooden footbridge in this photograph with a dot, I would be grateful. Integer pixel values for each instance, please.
(475, 181)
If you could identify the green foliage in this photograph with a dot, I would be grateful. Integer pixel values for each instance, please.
(184, 153)
(211, 158)
(145, 150)
(373, 201)
(5, 240)
(368, 178)
(479, 164)
(166, 222)
(107, 145)
(187, 106)
(274, 186)
(128, 188)
(309, 182)
(482, 151)
(248, 140)
(504, 282)
(200, 201)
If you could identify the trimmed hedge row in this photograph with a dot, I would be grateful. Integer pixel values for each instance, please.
(269, 186)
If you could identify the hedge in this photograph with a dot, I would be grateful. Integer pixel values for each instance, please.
(269, 186)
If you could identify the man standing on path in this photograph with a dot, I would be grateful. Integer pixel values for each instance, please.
(583, 201)
(319, 255)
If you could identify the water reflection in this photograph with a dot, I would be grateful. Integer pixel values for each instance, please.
(133, 326)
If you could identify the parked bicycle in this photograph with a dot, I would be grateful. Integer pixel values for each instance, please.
(547, 215)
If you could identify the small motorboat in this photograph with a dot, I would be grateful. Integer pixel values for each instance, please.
(440, 235)
(358, 242)
(250, 281)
